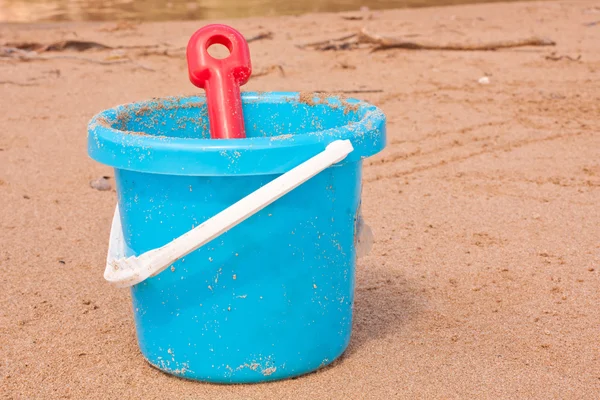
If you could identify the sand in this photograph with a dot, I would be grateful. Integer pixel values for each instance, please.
(484, 279)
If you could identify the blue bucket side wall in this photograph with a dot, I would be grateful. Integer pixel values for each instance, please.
(270, 299)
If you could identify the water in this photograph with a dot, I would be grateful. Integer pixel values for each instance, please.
(160, 10)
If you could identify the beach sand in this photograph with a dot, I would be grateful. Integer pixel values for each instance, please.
(484, 279)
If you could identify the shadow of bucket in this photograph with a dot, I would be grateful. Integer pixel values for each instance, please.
(272, 297)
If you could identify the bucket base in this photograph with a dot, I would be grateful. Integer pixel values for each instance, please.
(268, 375)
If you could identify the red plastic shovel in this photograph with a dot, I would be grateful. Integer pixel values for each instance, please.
(220, 78)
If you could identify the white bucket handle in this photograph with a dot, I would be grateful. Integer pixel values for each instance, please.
(124, 272)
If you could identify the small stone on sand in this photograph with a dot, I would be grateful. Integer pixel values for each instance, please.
(100, 184)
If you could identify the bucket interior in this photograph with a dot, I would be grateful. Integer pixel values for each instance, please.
(264, 116)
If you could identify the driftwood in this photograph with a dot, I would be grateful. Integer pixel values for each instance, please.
(12, 53)
(377, 43)
(32, 51)
(73, 45)
(77, 45)
(384, 43)
(28, 50)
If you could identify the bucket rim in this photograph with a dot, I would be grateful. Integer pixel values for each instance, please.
(220, 157)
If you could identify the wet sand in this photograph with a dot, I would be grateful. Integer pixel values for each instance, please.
(484, 279)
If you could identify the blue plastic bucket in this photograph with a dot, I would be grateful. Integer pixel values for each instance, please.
(271, 298)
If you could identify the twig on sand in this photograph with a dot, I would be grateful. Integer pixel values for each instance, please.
(330, 44)
(353, 17)
(260, 36)
(377, 42)
(384, 43)
(77, 45)
(31, 50)
(26, 51)
(176, 52)
(553, 57)
(22, 55)
(74, 45)
(17, 83)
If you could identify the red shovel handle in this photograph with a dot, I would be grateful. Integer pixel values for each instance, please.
(220, 78)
